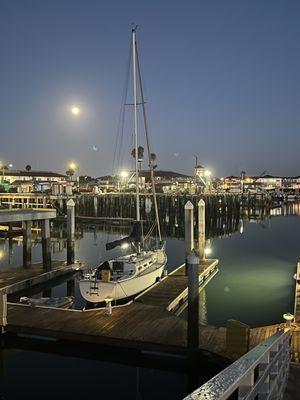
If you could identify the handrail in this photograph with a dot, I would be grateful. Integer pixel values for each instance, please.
(271, 357)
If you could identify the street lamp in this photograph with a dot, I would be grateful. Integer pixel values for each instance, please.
(4, 167)
(124, 175)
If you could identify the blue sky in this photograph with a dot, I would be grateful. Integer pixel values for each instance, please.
(222, 81)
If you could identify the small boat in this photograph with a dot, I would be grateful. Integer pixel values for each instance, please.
(54, 302)
(128, 275)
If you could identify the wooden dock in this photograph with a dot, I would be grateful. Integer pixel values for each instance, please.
(15, 279)
(144, 324)
(297, 295)
(147, 323)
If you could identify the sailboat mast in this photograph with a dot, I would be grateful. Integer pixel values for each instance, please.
(135, 125)
(148, 146)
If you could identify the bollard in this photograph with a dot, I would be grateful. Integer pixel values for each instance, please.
(3, 310)
(188, 229)
(201, 229)
(108, 307)
(70, 231)
(193, 302)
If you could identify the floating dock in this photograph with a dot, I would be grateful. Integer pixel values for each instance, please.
(15, 279)
(146, 323)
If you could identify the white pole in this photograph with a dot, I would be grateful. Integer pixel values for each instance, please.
(189, 227)
(135, 126)
(201, 228)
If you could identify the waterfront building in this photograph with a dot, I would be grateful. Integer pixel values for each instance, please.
(32, 181)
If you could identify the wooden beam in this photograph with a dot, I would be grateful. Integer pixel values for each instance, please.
(46, 244)
(27, 243)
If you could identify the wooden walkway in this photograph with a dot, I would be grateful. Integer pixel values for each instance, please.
(144, 324)
(14, 279)
(297, 295)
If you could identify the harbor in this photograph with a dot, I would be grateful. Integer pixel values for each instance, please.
(149, 200)
(150, 323)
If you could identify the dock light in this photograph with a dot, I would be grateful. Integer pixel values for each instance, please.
(207, 250)
(125, 246)
(124, 174)
(288, 320)
(75, 110)
(1, 255)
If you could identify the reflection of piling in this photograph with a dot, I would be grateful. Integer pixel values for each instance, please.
(201, 229)
(46, 244)
(188, 228)
(193, 302)
(70, 231)
(27, 243)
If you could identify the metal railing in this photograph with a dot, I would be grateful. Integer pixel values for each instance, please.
(260, 374)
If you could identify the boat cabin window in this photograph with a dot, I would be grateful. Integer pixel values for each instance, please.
(118, 266)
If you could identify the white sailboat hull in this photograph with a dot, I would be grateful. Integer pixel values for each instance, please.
(95, 290)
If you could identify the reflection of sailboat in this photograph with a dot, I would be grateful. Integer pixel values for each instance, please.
(126, 276)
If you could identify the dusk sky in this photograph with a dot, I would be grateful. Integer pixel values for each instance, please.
(222, 81)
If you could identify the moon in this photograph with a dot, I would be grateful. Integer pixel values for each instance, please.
(75, 110)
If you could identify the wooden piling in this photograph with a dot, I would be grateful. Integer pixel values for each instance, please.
(70, 231)
(46, 244)
(27, 243)
(3, 309)
(188, 230)
(201, 229)
(189, 227)
(193, 302)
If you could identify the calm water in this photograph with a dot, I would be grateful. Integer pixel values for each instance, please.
(254, 285)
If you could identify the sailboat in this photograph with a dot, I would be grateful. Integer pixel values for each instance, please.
(126, 276)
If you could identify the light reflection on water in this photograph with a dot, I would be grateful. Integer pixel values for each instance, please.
(255, 280)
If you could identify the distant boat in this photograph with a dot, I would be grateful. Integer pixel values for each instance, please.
(129, 275)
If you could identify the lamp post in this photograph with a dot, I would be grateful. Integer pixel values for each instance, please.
(4, 167)
(124, 175)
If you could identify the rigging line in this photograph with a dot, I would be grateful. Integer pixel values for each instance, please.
(147, 141)
(120, 128)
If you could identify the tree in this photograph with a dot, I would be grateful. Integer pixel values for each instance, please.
(28, 167)
(70, 172)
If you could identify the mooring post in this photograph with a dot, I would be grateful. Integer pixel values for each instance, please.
(193, 302)
(27, 243)
(70, 231)
(46, 244)
(201, 229)
(188, 229)
(3, 310)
